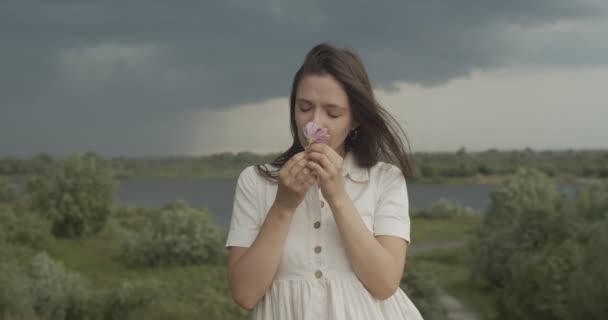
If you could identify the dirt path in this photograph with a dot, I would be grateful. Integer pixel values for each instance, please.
(456, 310)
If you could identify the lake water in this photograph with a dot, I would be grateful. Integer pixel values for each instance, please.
(217, 194)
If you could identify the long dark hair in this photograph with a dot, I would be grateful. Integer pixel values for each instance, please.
(378, 136)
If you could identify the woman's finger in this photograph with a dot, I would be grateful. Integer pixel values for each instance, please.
(297, 168)
(293, 160)
(303, 174)
(322, 159)
(328, 151)
(321, 173)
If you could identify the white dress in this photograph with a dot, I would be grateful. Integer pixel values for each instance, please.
(315, 280)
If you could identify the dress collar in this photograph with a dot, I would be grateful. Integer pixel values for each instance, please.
(352, 169)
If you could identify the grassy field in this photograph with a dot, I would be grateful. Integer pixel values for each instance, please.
(181, 292)
(431, 231)
(451, 270)
(450, 267)
(186, 292)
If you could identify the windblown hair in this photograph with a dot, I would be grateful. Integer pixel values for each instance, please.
(379, 135)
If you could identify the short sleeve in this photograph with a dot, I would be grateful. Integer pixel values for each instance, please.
(244, 222)
(392, 212)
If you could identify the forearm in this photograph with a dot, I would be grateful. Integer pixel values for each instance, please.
(377, 269)
(253, 273)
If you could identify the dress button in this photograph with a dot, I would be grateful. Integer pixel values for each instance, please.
(322, 204)
(318, 249)
(318, 274)
(317, 225)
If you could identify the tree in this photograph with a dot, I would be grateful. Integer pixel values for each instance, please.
(7, 192)
(176, 234)
(543, 252)
(77, 195)
(522, 212)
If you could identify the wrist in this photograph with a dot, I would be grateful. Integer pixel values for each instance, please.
(283, 211)
(339, 201)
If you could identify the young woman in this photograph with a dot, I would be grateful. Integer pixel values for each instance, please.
(322, 231)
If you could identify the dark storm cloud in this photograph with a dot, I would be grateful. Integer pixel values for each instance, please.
(103, 60)
(217, 54)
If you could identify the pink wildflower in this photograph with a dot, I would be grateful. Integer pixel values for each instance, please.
(314, 134)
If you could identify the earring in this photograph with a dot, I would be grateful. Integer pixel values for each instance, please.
(353, 134)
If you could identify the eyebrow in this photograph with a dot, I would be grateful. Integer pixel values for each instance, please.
(330, 105)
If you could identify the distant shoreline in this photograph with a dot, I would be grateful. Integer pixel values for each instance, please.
(452, 168)
(480, 180)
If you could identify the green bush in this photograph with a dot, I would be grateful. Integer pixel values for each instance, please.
(16, 300)
(524, 215)
(588, 291)
(120, 303)
(25, 228)
(176, 234)
(219, 305)
(43, 290)
(58, 293)
(538, 287)
(8, 193)
(424, 293)
(77, 195)
(543, 252)
(592, 202)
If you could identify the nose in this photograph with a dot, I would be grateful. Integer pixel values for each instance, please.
(317, 116)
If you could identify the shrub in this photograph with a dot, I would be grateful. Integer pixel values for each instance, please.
(56, 292)
(44, 290)
(8, 193)
(538, 286)
(26, 229)
(588, 291)
(121, 302)
(524, 215)
(219, 305)
(176, 234)
(543, 252)
(592, 202)
(77, 195)
(424, 293)
(15, 298)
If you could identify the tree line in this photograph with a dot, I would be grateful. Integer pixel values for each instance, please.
(429, 166)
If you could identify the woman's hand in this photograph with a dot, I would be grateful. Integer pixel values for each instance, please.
(327, 165)
(294, 181)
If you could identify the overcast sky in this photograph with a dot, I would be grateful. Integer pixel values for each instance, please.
(154, 77)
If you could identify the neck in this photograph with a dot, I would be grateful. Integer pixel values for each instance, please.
(341, 151)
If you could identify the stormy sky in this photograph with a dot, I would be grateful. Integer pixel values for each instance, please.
(148, 78)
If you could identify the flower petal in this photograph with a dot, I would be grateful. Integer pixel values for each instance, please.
(314, 134)
(310, 128)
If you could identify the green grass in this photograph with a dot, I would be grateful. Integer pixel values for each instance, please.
(450, 267)
(189, 292)
(428, 231)
(185, 292)
(451, 270)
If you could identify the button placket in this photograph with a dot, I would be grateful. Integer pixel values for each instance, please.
(317, 236)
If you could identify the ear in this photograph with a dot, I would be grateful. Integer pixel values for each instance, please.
(355, 125)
